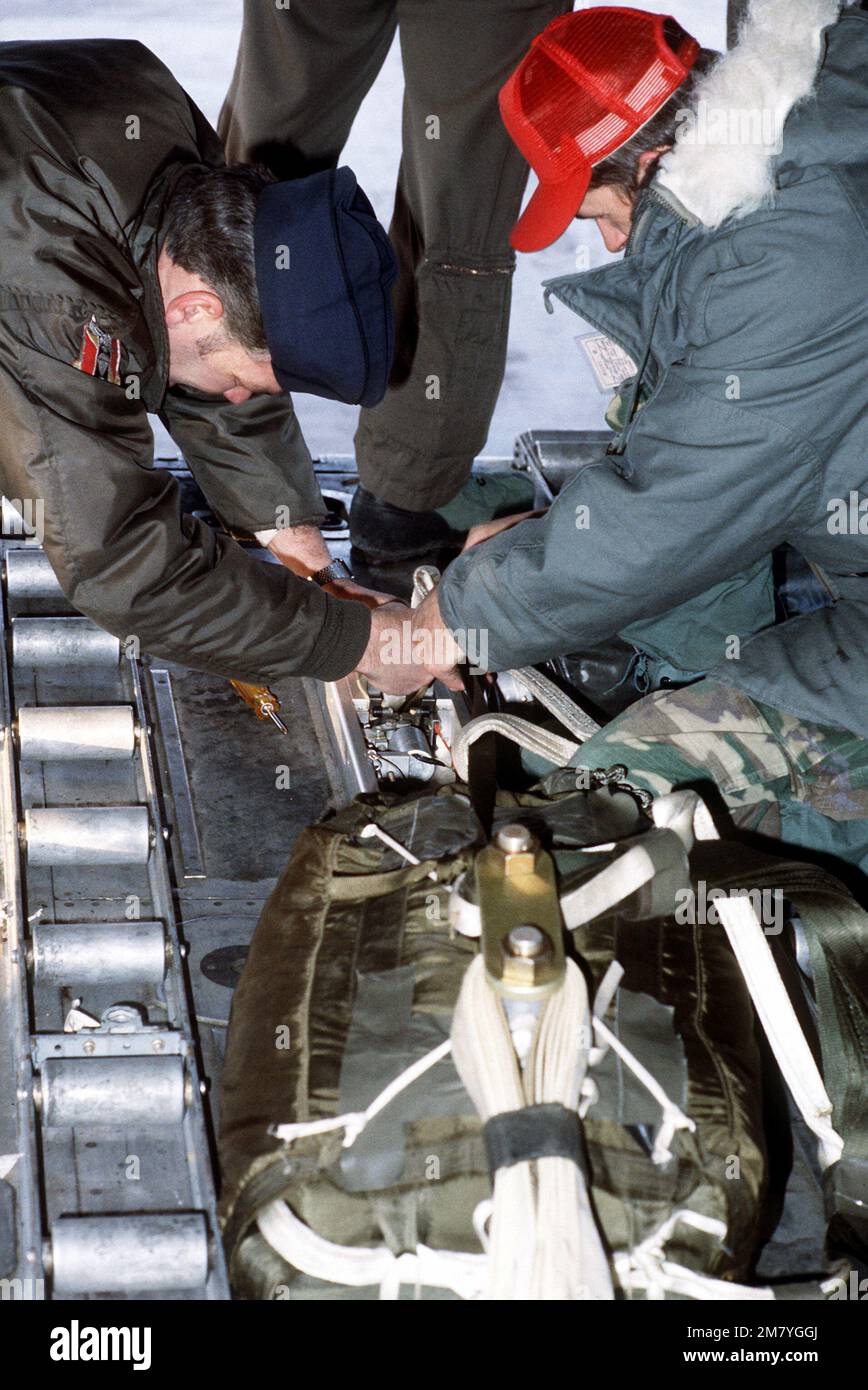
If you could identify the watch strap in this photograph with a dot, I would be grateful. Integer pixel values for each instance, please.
(336, 569)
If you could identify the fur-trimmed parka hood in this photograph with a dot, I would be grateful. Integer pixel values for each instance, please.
(733, 150)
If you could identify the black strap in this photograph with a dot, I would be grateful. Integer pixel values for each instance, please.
(537, 1131)
(482, 757)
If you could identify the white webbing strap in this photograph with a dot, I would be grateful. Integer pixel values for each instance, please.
(774, 1008)
(555, 749)
(543, 742)
(610, 886)
(573, 718)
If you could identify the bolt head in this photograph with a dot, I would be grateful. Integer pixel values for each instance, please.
(527, 942)
(514, 839)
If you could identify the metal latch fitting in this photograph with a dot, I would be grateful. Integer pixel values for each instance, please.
(522, 935)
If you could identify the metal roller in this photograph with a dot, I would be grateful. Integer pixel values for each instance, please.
(48, 733)
(112, 1091)
(129, 1254)
(87, 835)
(29, 576)
(53, 643)
(85, 953)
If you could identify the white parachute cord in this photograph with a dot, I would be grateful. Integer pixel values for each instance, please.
(646, 1268)
(353, 1122)
(542, 1238)
(484, 1055)
(570, 1261)
(674, 1117)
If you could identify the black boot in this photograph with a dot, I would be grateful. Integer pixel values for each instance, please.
(387, 535)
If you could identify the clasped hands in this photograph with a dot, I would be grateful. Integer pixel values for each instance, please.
(408, 648)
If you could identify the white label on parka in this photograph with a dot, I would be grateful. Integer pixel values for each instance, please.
(611, 364)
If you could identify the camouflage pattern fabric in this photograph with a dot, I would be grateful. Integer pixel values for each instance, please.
(779, 775)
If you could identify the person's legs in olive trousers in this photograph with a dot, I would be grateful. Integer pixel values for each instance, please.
(301, 75)
(300, 78)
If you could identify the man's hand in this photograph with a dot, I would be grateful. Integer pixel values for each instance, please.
(389, 661)
(435, 643)
(486, 529)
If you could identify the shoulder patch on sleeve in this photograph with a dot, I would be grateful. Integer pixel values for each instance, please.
(100, 354)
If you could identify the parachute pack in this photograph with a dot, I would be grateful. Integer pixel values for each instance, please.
(575, 1061)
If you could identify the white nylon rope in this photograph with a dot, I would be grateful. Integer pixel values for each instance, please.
(543, 1241)
(646, 1267)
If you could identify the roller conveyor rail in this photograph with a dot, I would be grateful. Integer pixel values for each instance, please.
(106, 1182)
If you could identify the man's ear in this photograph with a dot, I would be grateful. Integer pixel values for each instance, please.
(192, 305)
(648, 158)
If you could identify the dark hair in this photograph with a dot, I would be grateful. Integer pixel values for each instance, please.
(208, 231)
(622, 167)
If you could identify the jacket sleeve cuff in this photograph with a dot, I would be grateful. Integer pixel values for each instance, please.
(343, 638)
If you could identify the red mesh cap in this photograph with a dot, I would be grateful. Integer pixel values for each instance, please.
(588, 83)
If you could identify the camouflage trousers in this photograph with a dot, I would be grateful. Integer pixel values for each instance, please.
(803, 784)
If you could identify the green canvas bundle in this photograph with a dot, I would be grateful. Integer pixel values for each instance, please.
(353, 975)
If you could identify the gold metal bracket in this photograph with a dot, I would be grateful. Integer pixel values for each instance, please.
(522, 934)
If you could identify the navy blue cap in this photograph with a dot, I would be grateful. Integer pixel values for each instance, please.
(325, 269)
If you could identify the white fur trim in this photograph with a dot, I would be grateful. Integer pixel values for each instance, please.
(716, 174)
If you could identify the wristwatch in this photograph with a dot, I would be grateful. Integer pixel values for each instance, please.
(337, 569)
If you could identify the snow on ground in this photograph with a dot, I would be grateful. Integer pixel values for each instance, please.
(548, 383)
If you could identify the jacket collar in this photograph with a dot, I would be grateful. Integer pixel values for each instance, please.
(621, 299)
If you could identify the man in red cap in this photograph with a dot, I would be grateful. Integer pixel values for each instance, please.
(737, 187)
(593, 83)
